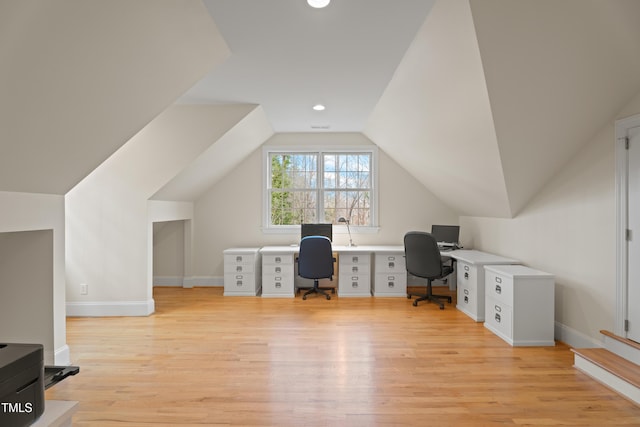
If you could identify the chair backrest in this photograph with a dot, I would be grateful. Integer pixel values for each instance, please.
(422, 255)
(315, 260)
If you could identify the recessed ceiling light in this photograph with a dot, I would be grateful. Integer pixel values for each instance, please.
(319, 107)
(318, 4)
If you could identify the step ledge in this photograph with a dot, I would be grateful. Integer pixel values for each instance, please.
(623, 347)
(623, 340)
(583, 361)
(612, 363)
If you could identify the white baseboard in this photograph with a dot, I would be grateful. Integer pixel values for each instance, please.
(203, 281)
(188, 282)
(110, 308)
(573, 338)
(168, 281)
(61, 356)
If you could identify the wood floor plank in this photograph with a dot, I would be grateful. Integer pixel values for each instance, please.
(206, 359)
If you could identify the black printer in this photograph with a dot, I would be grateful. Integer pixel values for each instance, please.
(21, 384)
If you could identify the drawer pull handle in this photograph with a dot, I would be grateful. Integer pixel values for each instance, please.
(466, 291)
(466, 275)
(239, 283)
(278, 285)
(354, 269)
(466, 268)
(354, 284)
(391, 258)
(354, 259)
(392, 264)
(239, 258)
(391, 285)
(239, 276)
(498, 308)
(498, 318)
(278, 259)
(466, 300)
(239, 268)
(498, 289)
(498, 279)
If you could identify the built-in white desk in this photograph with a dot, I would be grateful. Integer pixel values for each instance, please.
(470, 279)
(362, 271)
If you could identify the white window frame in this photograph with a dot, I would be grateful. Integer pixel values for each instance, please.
(267, 227)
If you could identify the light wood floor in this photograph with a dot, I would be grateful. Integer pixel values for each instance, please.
(205, 359)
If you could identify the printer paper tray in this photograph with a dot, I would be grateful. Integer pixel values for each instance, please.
(55, 374)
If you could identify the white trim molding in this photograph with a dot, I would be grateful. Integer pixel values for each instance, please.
(573, 338)
(203, 281)
(110, 308)
(171, 281)
(622, 128)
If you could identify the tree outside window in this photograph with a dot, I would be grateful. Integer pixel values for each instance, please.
(320, 187)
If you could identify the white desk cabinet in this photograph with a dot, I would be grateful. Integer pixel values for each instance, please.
(470, 280)
(278, 271)
(354, 272)
(520, 305)
(242, 272)
(390, 273)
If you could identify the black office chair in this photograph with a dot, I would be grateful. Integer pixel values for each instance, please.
(315, 261)
(423, 259)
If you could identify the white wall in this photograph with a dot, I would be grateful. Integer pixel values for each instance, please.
(230, 213)
(22, 212)
(168, 250)
(109, 236)
(79, 78)
(568, 230)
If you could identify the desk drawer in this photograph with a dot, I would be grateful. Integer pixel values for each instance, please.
(355, 259)
(467, 299)
(499, 287)
(467, 276)
(281, 270)
(285, 259)
(354, 284)
(388, 284)
(240, 284)
(230, 258)
(390, 263)
(499, 316)
(239, 268)
(277, 285)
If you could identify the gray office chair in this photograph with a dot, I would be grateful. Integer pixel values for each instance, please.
(315, 261)
(423, 259)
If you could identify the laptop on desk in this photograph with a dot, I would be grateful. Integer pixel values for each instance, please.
(447, 236)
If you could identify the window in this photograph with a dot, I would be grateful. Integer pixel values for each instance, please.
(320, 186)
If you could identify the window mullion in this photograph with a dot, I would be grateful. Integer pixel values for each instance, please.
(320, 187)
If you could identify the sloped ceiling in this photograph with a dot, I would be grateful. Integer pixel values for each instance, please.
(220, 158)
(287, 56)
(495, 96)
(556, 73)
(435, 119)
(80, 78)
(489, 101)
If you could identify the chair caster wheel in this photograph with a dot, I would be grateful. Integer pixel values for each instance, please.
(442, 307)
(328, 296)
(415, 303)
(408, 296)
(304, 297)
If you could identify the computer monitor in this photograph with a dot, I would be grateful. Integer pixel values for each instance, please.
(449, 234)
(316, 230)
